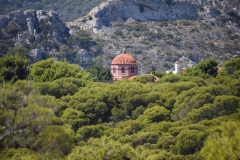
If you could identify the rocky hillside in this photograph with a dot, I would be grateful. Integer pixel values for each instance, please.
(155, 32)
(141, 11)
(39, 31)
(39, 34)
(156, 10)
(68, 10)
(158, 32)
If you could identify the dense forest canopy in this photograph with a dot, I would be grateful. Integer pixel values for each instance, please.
(55, 110)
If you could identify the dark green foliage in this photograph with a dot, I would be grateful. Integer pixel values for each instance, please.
(48, 70)
(24, 114)
(225, 143)
(74, 118)
(138, 111)
(226, 105)
(65, 115)
(55, 141)
(66, 52)
(81, 38)
(94, 131)
(31, 38)
(61, 87)
(22, 153)
(103, 148)
(141, 138)
(209, 67)
(165, 141)
(205, 69)
(157, 114)
(20, 50)
(100, 72)
(128, 127)
(44, 26)
(171, 78)
(13, 67)
(145, 78)
(12, 29)
(196, 98)
(4, 45)
(189, 141)
(158, 74)
(222, 105)
(231, 66)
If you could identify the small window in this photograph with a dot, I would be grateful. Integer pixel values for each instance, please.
(132, 70)
(114, 70)
(123, 70)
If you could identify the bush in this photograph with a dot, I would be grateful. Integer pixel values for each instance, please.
(13, 67)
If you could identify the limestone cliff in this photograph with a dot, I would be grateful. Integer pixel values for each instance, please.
(33, 27)
(147, 10)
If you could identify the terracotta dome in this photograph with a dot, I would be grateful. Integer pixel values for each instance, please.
(124, 58)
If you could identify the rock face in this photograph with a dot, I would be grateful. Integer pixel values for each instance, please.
(17, 17)
(141, 11)
(32, 19)
(43, 29)
(36, 54)
(3, 21)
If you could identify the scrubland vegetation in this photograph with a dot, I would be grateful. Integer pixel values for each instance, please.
(68, 10)
(54, 110)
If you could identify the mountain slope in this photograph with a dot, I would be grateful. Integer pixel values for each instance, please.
(39, 30)
(68, 10)
(158, 33)
(155, 32)
(157, 10)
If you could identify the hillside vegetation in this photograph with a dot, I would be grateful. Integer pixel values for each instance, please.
(68, 10)
(213, 32)
(160, 44)
(157, 33)
(54, 110)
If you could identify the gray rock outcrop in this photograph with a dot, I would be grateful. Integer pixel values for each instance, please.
(141, 11)
(40, 28)
(41, 15)
(17, 16)
(36, 54)
(149, 10)
(56, 21)
(30, 25)
(26, 27)
(31, 19)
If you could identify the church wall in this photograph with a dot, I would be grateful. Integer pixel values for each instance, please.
(127, 67)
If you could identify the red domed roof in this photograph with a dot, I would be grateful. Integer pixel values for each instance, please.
(124, 58)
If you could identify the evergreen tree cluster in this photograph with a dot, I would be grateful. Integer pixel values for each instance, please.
(55, 110)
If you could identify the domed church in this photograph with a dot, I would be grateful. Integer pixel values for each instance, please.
(124, 66)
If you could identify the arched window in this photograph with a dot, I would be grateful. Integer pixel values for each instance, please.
(123, 70)
(132, 70)
(114, 70)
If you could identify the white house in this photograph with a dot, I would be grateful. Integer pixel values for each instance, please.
(177, 67)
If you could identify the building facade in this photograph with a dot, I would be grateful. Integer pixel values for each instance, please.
(177, 66)
(124, 66)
